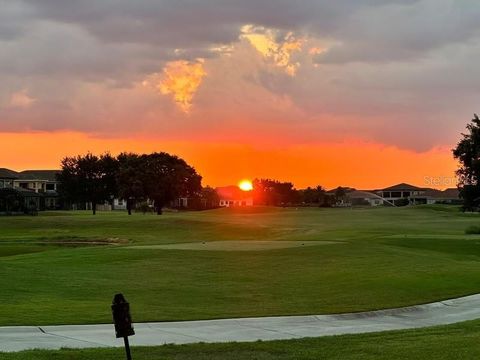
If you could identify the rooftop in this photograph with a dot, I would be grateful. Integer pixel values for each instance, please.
(45, 175)
(8, 174)
(49, 175)
(402, 187)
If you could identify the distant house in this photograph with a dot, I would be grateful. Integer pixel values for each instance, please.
(401, 191)
(39, 186)
(7, 177)
(363, 198)
(414, 195)
(232, 196)
(400, 194)
(43, 182)
(447, 196)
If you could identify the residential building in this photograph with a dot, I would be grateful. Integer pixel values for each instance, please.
(363, 198)
(396, 195)
(402, 191)
(39, 186)
(233, 196)
(414, 195)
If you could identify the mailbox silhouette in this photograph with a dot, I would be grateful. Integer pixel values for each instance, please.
(121, 317)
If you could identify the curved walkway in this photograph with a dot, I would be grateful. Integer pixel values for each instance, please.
(248, 329)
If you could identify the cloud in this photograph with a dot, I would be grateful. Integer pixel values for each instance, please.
(21, 99)
(180, 79)
(383, 70)
(398, 32)
(274, 46)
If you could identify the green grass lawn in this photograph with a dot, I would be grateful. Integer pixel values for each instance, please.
(387, 257)
(460, 341)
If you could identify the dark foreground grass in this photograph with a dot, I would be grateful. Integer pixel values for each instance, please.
(461, 341)
(388, 257)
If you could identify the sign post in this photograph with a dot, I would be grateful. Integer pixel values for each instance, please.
(122, 321)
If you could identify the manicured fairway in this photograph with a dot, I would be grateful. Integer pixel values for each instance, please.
(460, 341)
(386, 257)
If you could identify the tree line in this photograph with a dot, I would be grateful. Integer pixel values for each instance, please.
(158, 177)
(271, 192)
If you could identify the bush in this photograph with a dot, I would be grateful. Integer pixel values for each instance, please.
(474, 229)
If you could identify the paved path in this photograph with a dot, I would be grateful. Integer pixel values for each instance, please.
(249, 329)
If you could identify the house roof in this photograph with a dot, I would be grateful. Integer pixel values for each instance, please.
(357, 194)
(347, 189)
(450, 193)
(48, 175)
(232, 193)
(402, 186)
(8, 174)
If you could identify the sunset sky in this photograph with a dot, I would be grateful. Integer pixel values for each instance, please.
(362, 93)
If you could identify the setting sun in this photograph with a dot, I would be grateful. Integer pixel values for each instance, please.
(245, 185)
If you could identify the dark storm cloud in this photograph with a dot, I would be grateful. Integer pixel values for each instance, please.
(119, 32)
(183, 23)
(403, 31)
(387, 62)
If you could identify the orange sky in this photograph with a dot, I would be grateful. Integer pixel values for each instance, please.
(357, 164)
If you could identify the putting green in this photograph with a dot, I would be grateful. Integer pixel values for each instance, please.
(236, 245)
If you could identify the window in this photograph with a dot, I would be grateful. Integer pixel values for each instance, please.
(50, 187)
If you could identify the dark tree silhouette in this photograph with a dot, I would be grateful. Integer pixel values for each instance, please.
(168, 177)
(209, 198)
(467, 152)
(274, 193)
(130, 179)
(314, 196)
(88, 178)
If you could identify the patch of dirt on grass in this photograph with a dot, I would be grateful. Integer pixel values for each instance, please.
(77, 242)
(238, 245)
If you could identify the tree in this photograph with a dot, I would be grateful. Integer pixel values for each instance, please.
(313, 195)
(340, 195)
(209, 198)
(130, 179)
(168, 177)
(467, 152)
(273, 192)
(88, 178)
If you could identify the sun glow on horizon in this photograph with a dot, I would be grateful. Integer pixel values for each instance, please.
(245, 185)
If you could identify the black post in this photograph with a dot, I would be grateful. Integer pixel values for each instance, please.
(122, 321)
(127, 348)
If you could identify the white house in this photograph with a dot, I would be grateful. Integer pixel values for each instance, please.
(232, 196)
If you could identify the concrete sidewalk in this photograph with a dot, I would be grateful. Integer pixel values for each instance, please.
(248, 329)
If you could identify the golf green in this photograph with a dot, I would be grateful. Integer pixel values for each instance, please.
(65, 267)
